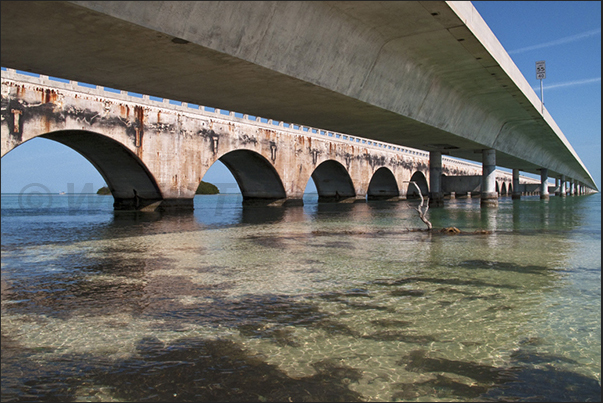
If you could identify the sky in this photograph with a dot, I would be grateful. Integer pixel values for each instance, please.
(565, 34)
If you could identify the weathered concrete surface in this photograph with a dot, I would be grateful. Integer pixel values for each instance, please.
(154, 154)
(428, 75)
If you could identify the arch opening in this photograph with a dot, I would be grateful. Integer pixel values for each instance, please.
(419, 178)
(219, 175)
(333, 182)
(49, 166)
(503, 189)
(310, 192)
(258, 181)
(130, 182)
(383, 186)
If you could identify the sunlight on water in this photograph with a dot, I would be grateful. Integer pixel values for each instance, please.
(321, 302)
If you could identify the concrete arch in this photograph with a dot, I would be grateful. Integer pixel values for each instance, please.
(503, 189)
(383, 185)
(132, 185)
(257, 178)
(333, 182)
(419, 178)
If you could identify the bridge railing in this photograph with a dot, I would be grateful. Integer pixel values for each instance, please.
(209, 111)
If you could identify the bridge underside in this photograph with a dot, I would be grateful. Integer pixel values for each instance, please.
(409, 73)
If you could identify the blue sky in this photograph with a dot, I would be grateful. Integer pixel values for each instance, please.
(566, 34)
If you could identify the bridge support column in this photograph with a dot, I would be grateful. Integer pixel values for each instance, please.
(489, 196)
(436, 197)
(562, 191)
(516, 195)
(544, 184)
(556, 186)
(573, 187)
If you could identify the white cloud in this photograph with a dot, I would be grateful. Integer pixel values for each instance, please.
(569, 83)
(561, 41)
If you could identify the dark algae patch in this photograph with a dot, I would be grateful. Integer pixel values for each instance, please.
(194, 370)
(528, 377)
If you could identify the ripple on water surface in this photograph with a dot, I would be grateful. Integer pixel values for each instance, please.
(313, 305)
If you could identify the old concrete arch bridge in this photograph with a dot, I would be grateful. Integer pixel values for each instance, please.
(154, 152)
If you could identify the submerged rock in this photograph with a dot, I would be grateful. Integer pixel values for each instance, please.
(451, 230)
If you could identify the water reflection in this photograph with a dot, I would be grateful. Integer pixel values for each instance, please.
(321, 302)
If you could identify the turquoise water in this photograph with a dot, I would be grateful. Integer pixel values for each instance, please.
(325, 302)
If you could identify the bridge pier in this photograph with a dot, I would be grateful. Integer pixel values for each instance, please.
(516, 195)
(573, 187)
(489, 196)
(436, 197)
(544, 187)
(562, 191)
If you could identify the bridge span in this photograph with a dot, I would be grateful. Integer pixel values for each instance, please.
(154, 152)
(429, 75)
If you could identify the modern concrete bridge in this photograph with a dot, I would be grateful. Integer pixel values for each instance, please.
(153, 152)
(427, 75)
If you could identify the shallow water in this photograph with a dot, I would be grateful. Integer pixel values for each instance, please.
(326, 302)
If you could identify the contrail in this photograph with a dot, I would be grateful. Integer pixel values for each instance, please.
(561, 41)
(570, 83)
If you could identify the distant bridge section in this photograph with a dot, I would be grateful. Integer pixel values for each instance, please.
(428, 75)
